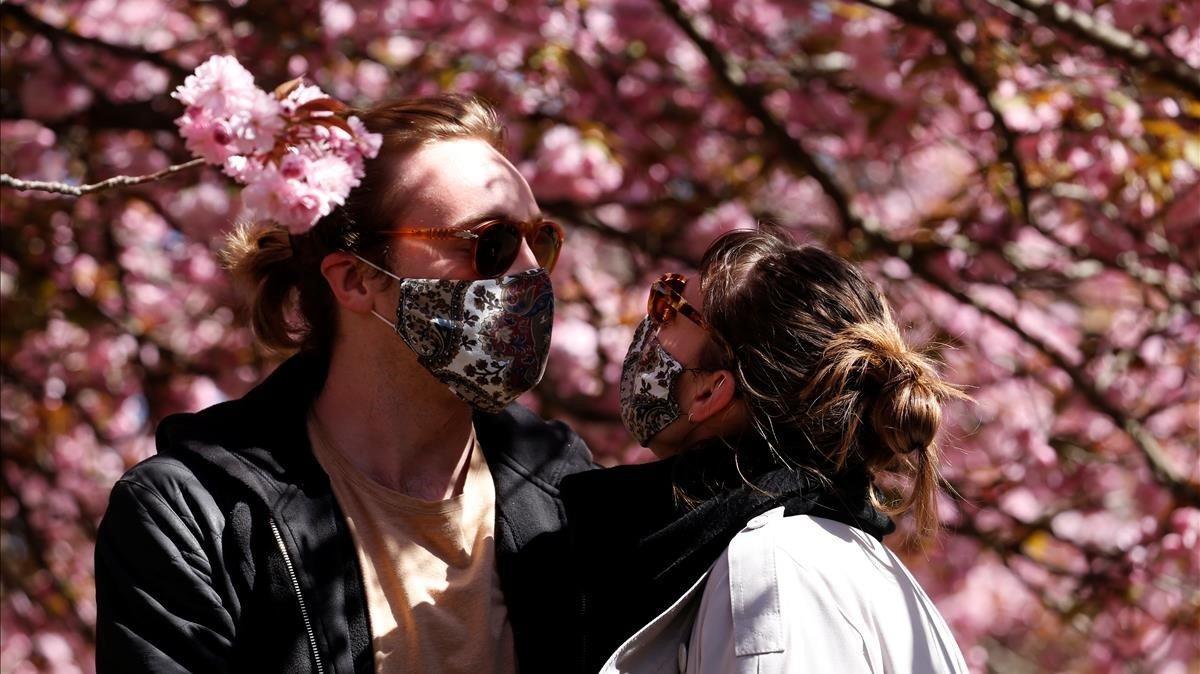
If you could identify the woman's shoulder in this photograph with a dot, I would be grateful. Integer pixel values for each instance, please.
(827, 546)
(759, 614)
(806, 590)
(816, 560)
(807, 559)
(776, 563)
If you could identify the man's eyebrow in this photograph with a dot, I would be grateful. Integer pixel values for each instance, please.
(472, 220)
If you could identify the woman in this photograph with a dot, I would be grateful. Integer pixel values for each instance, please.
(778, 390)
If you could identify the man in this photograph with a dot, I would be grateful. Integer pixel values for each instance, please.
(379, 503)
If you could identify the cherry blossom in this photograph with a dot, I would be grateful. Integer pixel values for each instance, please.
(1024, 188)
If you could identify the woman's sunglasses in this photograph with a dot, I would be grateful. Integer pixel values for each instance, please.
(666, 300)
(495, 244)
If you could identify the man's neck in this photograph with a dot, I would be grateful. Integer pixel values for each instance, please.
(407, 433)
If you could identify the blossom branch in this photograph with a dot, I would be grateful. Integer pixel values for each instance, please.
(81, 190)
(965, 62)
(43, 27)
(1185, 489)
(1115, 42)
(734, 79)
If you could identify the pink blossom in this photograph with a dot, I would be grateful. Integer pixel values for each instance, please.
(572, 166)
(305, 93)
(332, 175)
(231, 122)
(289, 201)
(221, 86)
(206, 137)
(258, 124)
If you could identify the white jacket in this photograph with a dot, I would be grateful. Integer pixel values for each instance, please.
(797, 594)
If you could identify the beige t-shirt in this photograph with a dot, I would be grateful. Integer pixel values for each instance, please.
(433, 593)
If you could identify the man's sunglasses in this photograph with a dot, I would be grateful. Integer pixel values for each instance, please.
(495, 244)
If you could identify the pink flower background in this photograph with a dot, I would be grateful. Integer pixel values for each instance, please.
(1027, 196)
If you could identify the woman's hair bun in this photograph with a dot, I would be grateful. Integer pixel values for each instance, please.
(896, 388)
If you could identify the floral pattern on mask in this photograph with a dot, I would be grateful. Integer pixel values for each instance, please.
(487, 340)
(648, 378)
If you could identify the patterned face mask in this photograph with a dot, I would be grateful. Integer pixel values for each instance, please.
(648, 379)
(487, 340)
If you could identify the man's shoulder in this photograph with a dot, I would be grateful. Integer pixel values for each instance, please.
(217, 426)
(218, 456)
(541, 451)
(162, 494)
(159, 473)
(187, 445)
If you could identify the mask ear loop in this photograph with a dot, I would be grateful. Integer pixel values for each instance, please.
(376, 314)
(718, 385)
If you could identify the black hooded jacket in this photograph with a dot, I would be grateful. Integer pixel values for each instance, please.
(227, 551)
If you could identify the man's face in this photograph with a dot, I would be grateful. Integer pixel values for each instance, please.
(451, 184)
(455, 184)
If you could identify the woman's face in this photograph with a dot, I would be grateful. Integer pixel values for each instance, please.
(704, 396)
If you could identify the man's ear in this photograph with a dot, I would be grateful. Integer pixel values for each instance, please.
(712, 394)
(351, 287)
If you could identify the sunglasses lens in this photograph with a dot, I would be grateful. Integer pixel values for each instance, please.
(496, 249)
(658, 306)
(546, 244)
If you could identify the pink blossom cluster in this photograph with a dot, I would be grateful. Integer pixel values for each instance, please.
(295, 150)
(572, 166)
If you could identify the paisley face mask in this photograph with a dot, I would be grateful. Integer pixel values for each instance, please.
(487, 340)
(648, 379)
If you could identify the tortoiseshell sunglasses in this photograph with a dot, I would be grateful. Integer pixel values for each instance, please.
(666, 300)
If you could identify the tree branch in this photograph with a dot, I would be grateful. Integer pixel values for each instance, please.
(1115, 42)
(81, 190)
(49, 30)
(922, 14)
(733, 78)
(1186, 490)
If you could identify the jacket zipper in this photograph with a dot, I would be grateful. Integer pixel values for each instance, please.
(287, 561)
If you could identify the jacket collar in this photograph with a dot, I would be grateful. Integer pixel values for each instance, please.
(641, 547)
(261, 440)
(640, 506)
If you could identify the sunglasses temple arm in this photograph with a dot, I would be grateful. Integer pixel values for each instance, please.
(376, 267)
